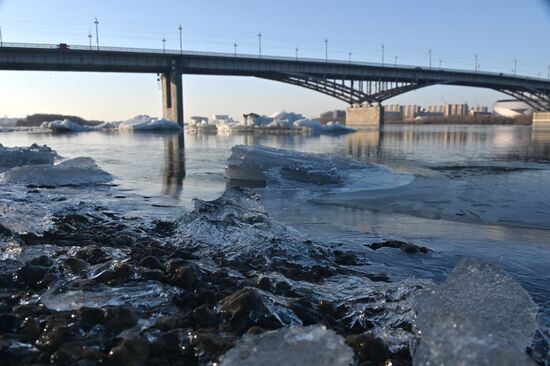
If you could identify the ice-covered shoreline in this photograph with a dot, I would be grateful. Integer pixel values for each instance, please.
(97, 285)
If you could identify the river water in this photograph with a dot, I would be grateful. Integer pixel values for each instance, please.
(481, 191)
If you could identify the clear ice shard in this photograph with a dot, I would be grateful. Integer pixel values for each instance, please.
(479, 316)
(300, 346)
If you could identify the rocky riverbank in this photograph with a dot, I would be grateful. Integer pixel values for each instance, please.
(97, 289)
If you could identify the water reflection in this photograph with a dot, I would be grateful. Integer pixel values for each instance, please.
(174, 165)
(449, 144)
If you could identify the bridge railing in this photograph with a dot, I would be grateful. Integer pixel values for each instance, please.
(251, 56)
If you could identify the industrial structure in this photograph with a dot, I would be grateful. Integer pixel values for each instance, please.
(364, 86)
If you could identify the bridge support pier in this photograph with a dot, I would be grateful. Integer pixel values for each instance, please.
(541, 121)
(172, 97)
(365, 116)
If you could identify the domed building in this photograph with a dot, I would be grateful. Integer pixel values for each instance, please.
(512, 108)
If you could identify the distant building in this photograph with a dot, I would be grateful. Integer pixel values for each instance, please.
(512, 108)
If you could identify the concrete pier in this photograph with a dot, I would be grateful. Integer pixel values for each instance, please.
(365, 116)
(541, 121)
(172, 97)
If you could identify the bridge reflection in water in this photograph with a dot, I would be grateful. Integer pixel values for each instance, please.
(174, 165)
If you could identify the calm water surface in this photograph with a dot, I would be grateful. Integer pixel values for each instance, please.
(498, 176)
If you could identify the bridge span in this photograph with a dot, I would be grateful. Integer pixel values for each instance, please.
(356, 83)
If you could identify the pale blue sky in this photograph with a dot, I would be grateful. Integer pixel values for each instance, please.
(498, 31)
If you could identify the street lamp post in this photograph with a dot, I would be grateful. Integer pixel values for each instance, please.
(430, 53)
(297, 49)
(476, 66)
(235, 48)
(163, 44)
(90, 39)
(1, 40)
(395, 61)
(440, 63)
(181, 42)
(515, 67)
(349, 57)
(382, 54)
(260, 44)
(326, 49)
(96, 22)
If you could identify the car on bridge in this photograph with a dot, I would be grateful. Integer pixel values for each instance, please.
(62, 46)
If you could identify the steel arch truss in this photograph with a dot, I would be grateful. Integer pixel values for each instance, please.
(537, 99)
(350, 90)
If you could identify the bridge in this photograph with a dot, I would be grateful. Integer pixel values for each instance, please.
(364, 86)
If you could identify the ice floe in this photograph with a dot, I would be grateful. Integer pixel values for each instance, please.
(147, 123)
(77, 171)
(11, 157)
(65, 126)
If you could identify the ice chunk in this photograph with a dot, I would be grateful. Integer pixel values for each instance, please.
(65, 126)
(147, 123)
(71, 296)
(316, 127)
(77, 171)
(300, 346)
(254, 163)
(235, 230)
(17, 156)
(480, 315)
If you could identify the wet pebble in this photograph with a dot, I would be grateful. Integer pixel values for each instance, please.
(31, 275)
(367, 348)
(130, 351)
(150, 262)
(119, 318)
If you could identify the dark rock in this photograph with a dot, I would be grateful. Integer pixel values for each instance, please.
(30, 275)
(204, 317)
(209, 345)
(130, 351)
(396, 244)
(378, 277)
(246, 308)
(307, 313)
(150, 262)
(152, 274)
(42, 261)
(8, 323)
(74, 265)
(30, 329)
(169, 323)
(53, 336)
(90, 316)
(92, 254)
(119, 318)
(367, 348)
(188, 276)
(345, 258)
(265, 283)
